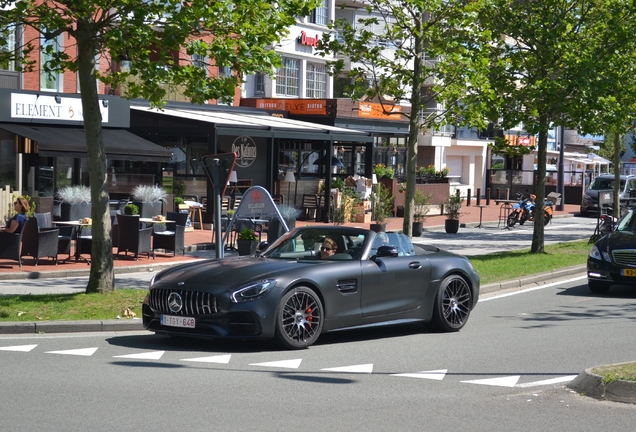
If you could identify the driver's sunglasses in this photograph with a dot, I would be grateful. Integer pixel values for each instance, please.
(326, 249)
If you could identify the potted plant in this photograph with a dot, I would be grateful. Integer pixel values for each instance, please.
(131, 210)
(420, 204)
(149, 198)
(247, 242)
(453, 207)
(382, 203)
(76, 202)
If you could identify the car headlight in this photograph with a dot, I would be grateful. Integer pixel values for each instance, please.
(152, 281)
(607, 257)
(253, 290)
(595, 253)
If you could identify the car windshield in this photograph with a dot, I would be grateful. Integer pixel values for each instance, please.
(627, 222)
(319, 243)
(604, 184)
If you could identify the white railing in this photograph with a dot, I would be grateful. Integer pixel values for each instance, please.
(6, 203)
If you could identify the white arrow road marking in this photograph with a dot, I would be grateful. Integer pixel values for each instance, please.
(548, 381)
(153, 355)
(79, 352)
(365, 368)
(225, 359)
(433, 375)
(290, 364)
(501, 382)
(22, 348)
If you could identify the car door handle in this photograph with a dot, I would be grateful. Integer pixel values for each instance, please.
(415, 265)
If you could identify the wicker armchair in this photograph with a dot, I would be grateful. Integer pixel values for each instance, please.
(65, 236)
(132, 238)
(39, 244)
(173, 238)
(12, 249)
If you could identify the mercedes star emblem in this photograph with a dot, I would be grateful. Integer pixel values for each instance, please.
(175, 302)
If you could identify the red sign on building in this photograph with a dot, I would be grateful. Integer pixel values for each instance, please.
(303, 39)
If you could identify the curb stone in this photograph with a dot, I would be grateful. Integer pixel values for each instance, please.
(550, 276)
(590, 384)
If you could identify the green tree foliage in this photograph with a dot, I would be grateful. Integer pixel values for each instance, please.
(553, 62)
(157, 39)
(422, 52)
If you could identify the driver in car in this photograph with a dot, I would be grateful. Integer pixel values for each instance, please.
(328, 248)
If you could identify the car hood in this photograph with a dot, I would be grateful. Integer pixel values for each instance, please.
(618, 240)
(229, 272)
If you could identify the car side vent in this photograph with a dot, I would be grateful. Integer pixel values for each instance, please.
(347, 286)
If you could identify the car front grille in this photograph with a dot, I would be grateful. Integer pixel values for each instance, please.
(193, 302)
(625, 257)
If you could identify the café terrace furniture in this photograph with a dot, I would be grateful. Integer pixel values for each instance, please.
(173, 238)
(12, 249)
(38, 244)
(65, 236)
(81, 239)
(132, 238)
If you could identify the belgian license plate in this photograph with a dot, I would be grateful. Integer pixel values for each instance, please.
(177, 321)
(629, 272)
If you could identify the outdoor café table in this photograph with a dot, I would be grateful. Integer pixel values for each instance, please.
(77, 238)
(504, 211)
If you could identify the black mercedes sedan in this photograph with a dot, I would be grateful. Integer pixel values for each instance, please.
(612, 259)
(310, 281)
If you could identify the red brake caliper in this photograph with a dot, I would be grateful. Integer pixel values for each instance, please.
(310, 317)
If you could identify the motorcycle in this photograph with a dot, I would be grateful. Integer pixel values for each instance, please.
(524, 210)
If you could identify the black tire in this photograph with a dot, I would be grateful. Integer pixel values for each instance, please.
(452, 304)
(512, 219)
(299, 319)
(597, 287)
(546, 218)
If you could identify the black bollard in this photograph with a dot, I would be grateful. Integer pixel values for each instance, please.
(478, 197)
(487, 196)
(468, 197)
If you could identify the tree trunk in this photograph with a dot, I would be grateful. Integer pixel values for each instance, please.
(538, 235)
(414, 127)
(616, 161)
(102, 275)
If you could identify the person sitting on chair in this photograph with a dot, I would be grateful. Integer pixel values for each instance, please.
(328, 248)
(15, 224)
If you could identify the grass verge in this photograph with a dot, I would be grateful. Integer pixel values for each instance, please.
(623, 371)
(126, 302)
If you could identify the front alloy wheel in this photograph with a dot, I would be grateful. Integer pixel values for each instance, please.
(512, 219)
(299, 319)
(452, 304)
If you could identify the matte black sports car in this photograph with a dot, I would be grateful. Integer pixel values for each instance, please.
(313, 280)
(612, 259)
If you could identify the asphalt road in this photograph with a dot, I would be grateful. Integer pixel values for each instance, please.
(505, 371)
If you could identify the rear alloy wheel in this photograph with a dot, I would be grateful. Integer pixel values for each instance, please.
(299, 319)
(597, 287)
(452, 304)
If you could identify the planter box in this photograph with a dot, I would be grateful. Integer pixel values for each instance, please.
(439, 191)
(73, 212)
(363, 218)
(149, 209)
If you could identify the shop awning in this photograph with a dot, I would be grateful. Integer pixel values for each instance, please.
(71, 142)
(237, 123)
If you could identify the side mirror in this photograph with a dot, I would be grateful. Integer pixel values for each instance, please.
(262, 246)
(387, 251)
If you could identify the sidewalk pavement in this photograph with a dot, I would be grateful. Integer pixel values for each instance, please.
(469, 241)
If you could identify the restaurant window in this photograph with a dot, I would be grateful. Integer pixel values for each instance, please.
(9, 46)
(316, 81)
(320, 15)
(50, 80)
(287, 77)
(259, 84)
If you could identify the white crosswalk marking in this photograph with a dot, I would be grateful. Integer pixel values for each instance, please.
(432, 375)
(22, 348)
(364, 368)
(87, 352)
(224, 359)
(500, 382)
(153, 355)
(291, 364)
(548, 381)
